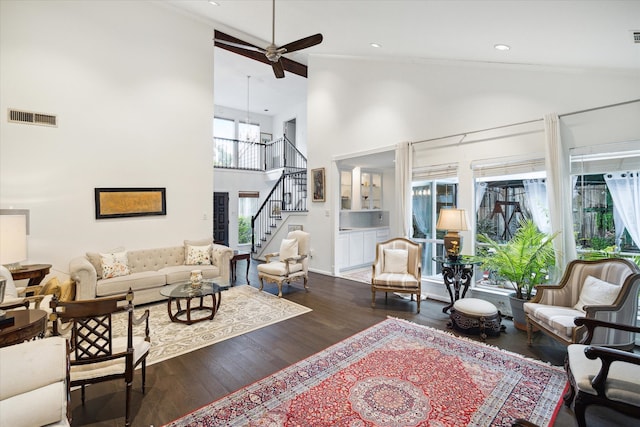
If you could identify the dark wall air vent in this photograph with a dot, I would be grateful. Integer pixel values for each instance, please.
(636, 37)
(29, 117)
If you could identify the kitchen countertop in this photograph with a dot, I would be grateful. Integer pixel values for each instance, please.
(348, 229)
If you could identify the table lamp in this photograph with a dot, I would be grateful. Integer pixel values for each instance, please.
(452, 220)
(13, 240)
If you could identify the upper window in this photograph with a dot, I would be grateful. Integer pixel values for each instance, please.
(606, 199)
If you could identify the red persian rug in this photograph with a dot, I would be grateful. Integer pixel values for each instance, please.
(396, 373)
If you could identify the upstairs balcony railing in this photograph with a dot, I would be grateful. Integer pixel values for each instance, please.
(259, 156)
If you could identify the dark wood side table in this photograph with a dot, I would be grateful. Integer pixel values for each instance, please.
(27, 325)
(456, 275)
(34, 272)
(239, 255)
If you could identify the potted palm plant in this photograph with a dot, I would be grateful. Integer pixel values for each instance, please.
(523, 262)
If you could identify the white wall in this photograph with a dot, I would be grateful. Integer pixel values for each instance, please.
(359, 105)
(132, 86)
(298, 112)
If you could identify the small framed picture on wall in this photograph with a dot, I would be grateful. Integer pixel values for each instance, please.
(318, 185)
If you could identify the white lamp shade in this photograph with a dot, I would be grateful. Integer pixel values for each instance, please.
(452, 220)
(13, 239)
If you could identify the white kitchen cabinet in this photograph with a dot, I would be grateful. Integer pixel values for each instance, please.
(342, 247)
(357, 248)
(371, 190)
(356, 257)
(369, 239)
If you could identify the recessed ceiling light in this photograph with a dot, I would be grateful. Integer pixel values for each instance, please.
(502, 47)
(214, 3)
(375, 45)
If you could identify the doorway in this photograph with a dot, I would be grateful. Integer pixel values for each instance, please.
(221, 218)
(290, 131)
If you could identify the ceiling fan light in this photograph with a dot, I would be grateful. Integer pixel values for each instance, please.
(502, 47)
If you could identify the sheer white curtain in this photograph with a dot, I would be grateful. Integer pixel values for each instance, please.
(481, 188)
(537, 203)
(558, 193)
(625, 192)
(403, 188)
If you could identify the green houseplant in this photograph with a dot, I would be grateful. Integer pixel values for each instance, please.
(523, 262)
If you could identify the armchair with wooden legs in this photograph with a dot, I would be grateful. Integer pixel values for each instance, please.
(96, 355)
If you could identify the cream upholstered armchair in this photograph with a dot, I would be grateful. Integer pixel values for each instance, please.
(604, 289)
(34, 390)
(292, 261)
(397, 268)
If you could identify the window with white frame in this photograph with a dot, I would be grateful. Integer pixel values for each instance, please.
(507, 192)
(224, 132)
(247, 206)
(433, 188)
(606, 199)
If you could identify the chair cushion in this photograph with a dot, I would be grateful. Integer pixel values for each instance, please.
(279, 268)
(597, 292)
(475, 307)
(198, 255)
(288, 248)
(111, 367)
(396, 280)
(558, 319)
(623, 382)
(395, 261)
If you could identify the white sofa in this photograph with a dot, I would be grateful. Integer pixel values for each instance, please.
(34, 389)
(148, 271)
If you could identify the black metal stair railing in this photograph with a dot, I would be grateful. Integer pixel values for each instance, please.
(289, 194)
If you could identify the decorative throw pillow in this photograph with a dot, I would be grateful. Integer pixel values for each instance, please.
(114, 265)
(395, 261)
(596, 292)
(96, 260)
(198, 255)
(288, 248)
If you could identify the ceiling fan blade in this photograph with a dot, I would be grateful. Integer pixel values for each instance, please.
(223, 38)
(278, 69)
(294, 67)
(252, 54)
(303, 43)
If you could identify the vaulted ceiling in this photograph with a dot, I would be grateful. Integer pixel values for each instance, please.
(560, 33)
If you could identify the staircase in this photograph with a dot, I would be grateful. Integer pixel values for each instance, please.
(289, 193)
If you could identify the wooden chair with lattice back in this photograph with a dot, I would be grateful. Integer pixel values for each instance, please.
(96, 354)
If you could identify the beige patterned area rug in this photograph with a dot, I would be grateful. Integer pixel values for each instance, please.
(243, 309)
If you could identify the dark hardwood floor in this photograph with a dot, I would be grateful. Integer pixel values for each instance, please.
(340, 307)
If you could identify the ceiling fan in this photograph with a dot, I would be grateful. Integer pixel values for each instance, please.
(272, 54)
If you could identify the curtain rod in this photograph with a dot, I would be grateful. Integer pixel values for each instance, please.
(599, 108)
(463, 134)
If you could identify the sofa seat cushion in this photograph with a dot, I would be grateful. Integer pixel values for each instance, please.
(623, 381)
(111, 367)
(558, 319)
(135, 281)
(396, 280)
(182, 273)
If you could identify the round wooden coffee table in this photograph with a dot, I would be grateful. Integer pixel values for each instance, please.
(185, 292)
(27, 324)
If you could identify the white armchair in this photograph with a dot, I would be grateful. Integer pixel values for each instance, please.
(397, 268)
(34, 390)
(292, 261)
